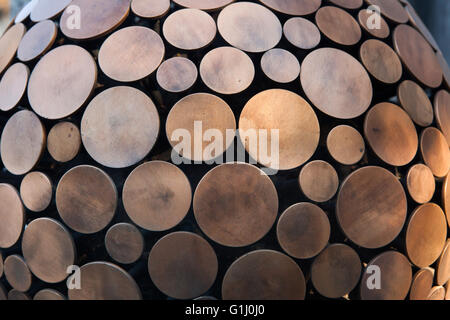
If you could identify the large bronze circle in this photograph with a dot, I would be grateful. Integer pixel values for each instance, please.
(12, 215)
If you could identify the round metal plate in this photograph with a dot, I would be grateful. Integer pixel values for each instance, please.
(12, 215)
(13, 85)
(36, 191)
(124, 243)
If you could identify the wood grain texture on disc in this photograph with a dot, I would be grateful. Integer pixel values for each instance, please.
(296, 122)
(235, 204)
(195, 114)
(437, 293)
(442, 112)
(183, 265)
(249, 26)
(48, 9)
(426, 234)
(319, 181)
(208, 5)
(105, 281)
(367, 19)
(48, 92)
(150, 8)
(48, 249)
(348, 4)
(446, 197)
(157, 195)
(346, 145)
(280, 65)
(371, 207)
(336, 271)
(421, 284)
(12, 215)
(303, 230)
(25, 12)
(64, 141)
(13, 85)
(36, 191)
(22, 142)
(435, 151)
(302, 33)
(9, 42)
(86, 199)
(49, 295)
(416, 103)
(120, 126)
(293, 7)
(264, 275)
(17, 295)
(37, 40)
(443, 266)
(336, 83)
(97, 18)
(391, 9)
(17, 273)
(420, 183)
(391, 134)
(395, 280)
(338, 25)
(124, 243)
(177, 74)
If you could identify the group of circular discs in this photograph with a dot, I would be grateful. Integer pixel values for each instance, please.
(364, 162)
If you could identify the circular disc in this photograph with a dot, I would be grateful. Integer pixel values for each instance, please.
(280, 65)
(318, 181)
(249, 26)
(64, 141)
(446, 197)
(37, 40)
(391, 9)
(296, 122)
(12, 215)
(119, 127)
(13, 85)
(177, 74)
(442, 112)
(48, 294)
(293, 7)
(437, 293)
(17, 295)
(416, 103)
(183, 265)
(348, 4)
(367, 18)
(264, 275)
(48, 92)
(302, 33)
(420, 183)
(9, 42)
(435, 151)
(22, 142)
(36, 191)
(17, 273)
(124, 243)
(86, 199)
(346, 145)
(150, 8)
(303, 230)
(48, 249)
(235, 204)
(203, 4)
(48, 9)
(421, 284)
(336, 83)
(338, 25)
(371, 207)
(24, 13)
(443, 266)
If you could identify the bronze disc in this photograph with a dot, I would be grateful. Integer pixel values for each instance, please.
(86, 199)
(48, 294)
(391, 9)
(435, 151)
(13, 85)
(48, 9)
(396, 276)
(346, 145)
(22, 142)
(24, 13)
(120, 126)
(318, 181)
(48, 92)
(97, 18)
(371, 207)
(336, 83)
(293, 7)
(17, 295)
(48, 249)
(443, 266)
(446, 197)
(182, 265)
(416, 103)
(442, 112)
(280, 65)
(177, 74)
(124, 243)
(105, 281)
(421, 284)
(213, 113)
(417, 55)
(17, 273)
(235, 204)
(338, 25)
(36, 191)
(348, 4)
(336, 271)
(37, 40)
(12, 215)
(227, 70)
(364, 17)
(157, 195)
(264, 275)
(207, 5)
(9, 42)
(152, 9)
(64, 141)
(292, 116)
(249, 26)
(420, 183)
(391, 134)
(303, 230)
(302, 33)
(437, 293)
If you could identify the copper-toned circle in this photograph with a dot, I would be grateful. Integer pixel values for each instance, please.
(152, 9)
(446, 197)
(293, 7)
(318, 181)
(302, 33)
(443, 266)
(208, 5)
(36, 191)
(442, 112)
(346, 145)
(37, 40)
(48, 294)
(416, 103)
(338, 25)
(17, 295)
(9, 42)
(24, 13)
(367, 20)
(348, 4)
(13, 85)
(124, 243)
(48, 9)
(421, 284)
(391, 9)
(17, 273)
(437, 293)
(435, 151)
(420, 183)
(64, 141)
(280, 65)
(12, 215)
(177, 74)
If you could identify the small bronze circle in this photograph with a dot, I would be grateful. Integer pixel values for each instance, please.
(280, 65)
(421, 284)
(391, 9)
(12, 215)
(13, 85)
(37, 40)
(9, 42)
(435, 151)
(443, 266)
(366, 17)
(124, 243)
(293, 7)
(416, 103)
(177, 74)
(48, 9)
(348, 4)
(64, 141)
(24, 13)
(17, 273)
(442, 112)
(420, 183)
(36, 191)
(48, 294)
(17, 295)
(338, 25)
(437, 293)
(446, 197)
(346, 145)
(319, 181)
(152, 9)
(302, 33)
(208, 5)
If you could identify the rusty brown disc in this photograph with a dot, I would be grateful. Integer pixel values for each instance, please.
(48, 92)
(119, 127)
(336, 83)
(227, 70)
(207, 5)
(371, 194)
(302, 33)
(338, 25)
(445, 68)
(182, 265)
(348, 4)
(391, 134)
(249, 26)
(17, 295)
(420, 183)
(37, 40)
(346, 145)
(12, 215)
(416, 103)
(446, 197)
(177, 74)
(86, 199)
(97, 18)
(391, 9)
(105, 281)
(418, 23)
(48, 294)
(124, 243)
(303, 230)
(293, 7)
(48, 249)
(417, 55)
(235, 204)
(280, 65)
(435, 151)
(296, 122)
(264, 275)
(13, 85)
(64, 141)
(195, 114)
(22, 142)
(36, 191)
(367, 20)
(152, 9)
(336, 271)
(421, 284)
(443, 266)
(442, 112)
(318, 181)
(24, 13)
(9, 42)
(157, 195)
(437, 293)
(48, 9)
(17, 273)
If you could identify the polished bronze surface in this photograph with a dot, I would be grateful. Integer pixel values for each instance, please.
(443, 266)
(318, 181)
(364, 17)
(442, 112)
(437, 293)
(177, 74)
(17, 295)
(152, 9)
(64, 141)
(280, 65)
(446, 197)
(37, 40)
(13, 85)
(346, 145)
(48, 294)
(25, 12)
(293, 7)
(302, 33)
(124, 243)
(338, 25)
(348, 4)
(208, 5)
(391, 9)
(12, 215)
(17, 273)
(421, 284)
(416, 103)
(420, 183)
(435, 151)
(36, 191)
(9, 42)
(47, 9)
